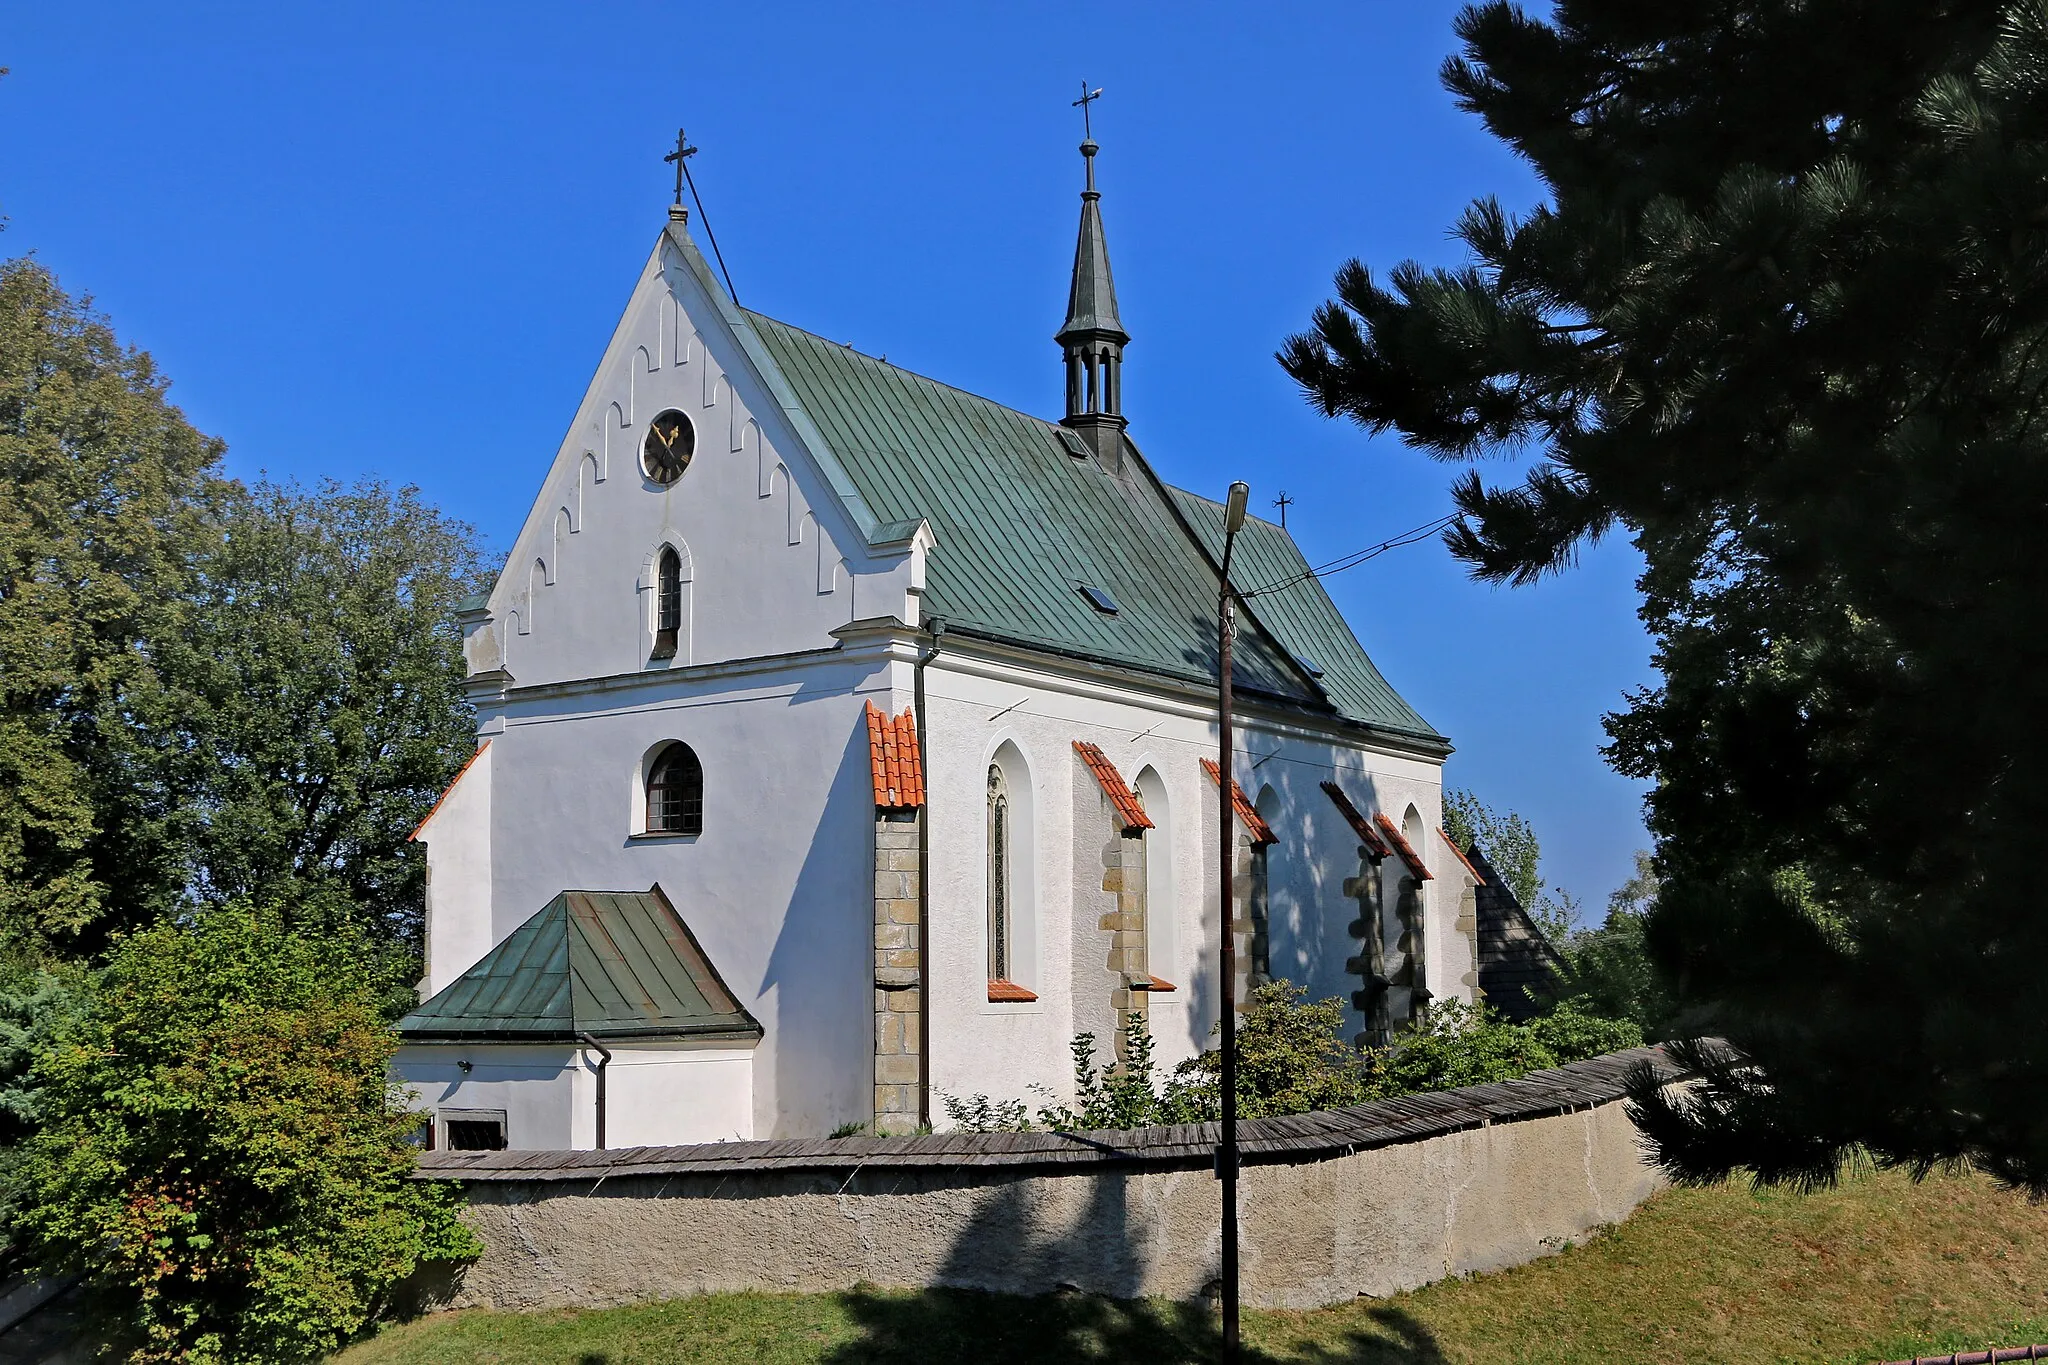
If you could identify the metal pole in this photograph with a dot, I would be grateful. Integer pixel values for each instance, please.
(1226, 1155)
(604, 1059)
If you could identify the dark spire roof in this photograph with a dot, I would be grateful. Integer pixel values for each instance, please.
(1091, 299)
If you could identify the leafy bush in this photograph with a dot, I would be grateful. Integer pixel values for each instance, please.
(219, 1153)
(1292, 1059)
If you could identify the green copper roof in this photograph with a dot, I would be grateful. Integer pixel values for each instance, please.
(1023, 526)
(613, 964)
(1302, 615)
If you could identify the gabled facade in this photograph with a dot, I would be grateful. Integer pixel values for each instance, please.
(903, 697)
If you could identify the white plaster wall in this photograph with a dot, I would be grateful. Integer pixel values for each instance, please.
(664, 1096)
(771, 562)
(778, 888)
(457, 838)
(655, 1095)
(976, 703)
(1374, 1222)
(543, 1089)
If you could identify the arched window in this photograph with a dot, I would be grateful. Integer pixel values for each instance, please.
(675, 792)
(1162, 914)
(999, 926)
(668, 610)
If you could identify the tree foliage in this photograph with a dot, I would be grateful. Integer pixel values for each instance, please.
(207, 690)
(1781, 320)
(311, 711)
(101, 482)
(218, 1152)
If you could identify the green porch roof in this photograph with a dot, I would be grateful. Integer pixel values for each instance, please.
(1023, 524)
(613, 964)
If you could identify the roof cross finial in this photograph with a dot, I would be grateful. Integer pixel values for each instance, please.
(683, 151)
(1088, 97)
(1283, 502)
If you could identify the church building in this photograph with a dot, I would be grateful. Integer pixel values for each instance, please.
(847, 741)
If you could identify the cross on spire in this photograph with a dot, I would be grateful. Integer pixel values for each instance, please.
(1283, 502)
(1088, 97)
(683, 150)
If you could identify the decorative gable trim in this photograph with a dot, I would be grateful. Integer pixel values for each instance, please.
(894, 759)
(1247, 814)
(1401, 846)
(770, 377)
(1375, 847)
(1130, 811)
(442, 799)
(1459, 854)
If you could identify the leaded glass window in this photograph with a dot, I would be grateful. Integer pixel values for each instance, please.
(998, 875)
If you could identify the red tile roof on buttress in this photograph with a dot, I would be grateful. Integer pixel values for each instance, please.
(1130, 811)
(1401, 845)
(1362, 827)
(1247, 814)
(893, 755)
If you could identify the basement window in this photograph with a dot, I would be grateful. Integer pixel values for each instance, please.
(1098, 598)
(473, 1130)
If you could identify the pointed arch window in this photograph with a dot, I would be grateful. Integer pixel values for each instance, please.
(675, 792)
(999, 853)
(668, 607)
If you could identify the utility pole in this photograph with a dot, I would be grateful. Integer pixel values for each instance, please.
(1226, 786)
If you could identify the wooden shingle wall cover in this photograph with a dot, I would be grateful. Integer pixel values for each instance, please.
(1297, 1137)
(1247, 814)
(1130, 811)
(893, 756)
(1515, 959)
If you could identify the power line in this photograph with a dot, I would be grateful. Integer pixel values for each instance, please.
(1353, 560)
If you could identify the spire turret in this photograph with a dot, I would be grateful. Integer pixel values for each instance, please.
(1093, 337)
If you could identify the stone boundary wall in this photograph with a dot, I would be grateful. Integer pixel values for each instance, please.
(1369, 1200)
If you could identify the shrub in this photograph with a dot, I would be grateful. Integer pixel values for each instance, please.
(219, 1153)
(1292, 1059)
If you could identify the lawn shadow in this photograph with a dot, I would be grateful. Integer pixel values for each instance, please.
(1029, 1281)
(944, 1326)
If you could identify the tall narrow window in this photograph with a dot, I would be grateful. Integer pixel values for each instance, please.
(668, 609)
(675, 792)
(998, 875)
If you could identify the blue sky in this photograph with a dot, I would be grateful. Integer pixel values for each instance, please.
(392, 240)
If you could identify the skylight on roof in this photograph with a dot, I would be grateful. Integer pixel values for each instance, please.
(1074, 444)
(1098, 599)
(1309, 666)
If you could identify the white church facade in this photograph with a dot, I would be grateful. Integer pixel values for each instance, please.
(847, 741)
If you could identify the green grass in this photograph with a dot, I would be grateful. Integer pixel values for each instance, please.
(1877, 1269)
